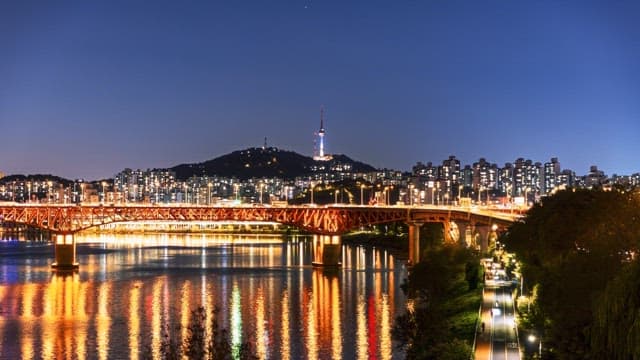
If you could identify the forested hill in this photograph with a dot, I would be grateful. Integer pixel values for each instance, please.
(267, 162)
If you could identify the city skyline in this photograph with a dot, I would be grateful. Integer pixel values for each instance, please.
(91, 89)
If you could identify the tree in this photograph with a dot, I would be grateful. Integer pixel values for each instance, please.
(426, 331)
(616, 330)
(572, 244)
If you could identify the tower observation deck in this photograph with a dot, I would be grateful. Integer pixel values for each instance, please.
(319, 152)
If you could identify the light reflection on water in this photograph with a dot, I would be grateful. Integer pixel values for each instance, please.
(132, 289)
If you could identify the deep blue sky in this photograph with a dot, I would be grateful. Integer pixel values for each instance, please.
(87, 90)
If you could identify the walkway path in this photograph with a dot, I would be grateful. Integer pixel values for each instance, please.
(498, 338)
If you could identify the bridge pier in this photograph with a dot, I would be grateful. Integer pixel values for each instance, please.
(484, 236)
(65, 247)
(462, 231)
(327, 250)
(414, 242)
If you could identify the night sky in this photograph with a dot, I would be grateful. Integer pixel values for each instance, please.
(87, 90)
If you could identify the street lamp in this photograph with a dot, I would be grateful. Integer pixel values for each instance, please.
(532, 339)
(236, 187)
(104, 197)
(361, 194)
(209, 193)
(261, 188)
(411, 194)
(459, 195)
(311, 187)
(186, 192)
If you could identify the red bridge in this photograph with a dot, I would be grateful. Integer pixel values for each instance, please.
(326, 222)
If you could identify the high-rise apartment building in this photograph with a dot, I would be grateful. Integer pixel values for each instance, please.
(484, 175)
(505, 180)
(595, 177)
(551, 173)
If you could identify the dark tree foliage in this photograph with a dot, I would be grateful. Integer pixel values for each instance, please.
(616, 330)
(573, 244)
(472, 274)
(425, 331)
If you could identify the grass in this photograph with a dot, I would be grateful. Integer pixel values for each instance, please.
(463, 310)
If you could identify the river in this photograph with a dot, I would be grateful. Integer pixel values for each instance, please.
(132, 289)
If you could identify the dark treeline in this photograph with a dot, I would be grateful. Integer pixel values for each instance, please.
(579, 251)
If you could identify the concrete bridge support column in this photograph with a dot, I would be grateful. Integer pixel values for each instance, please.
(65, 247)
(462, 231)
(414, 242)
(327, 250)
(446, 229)
(483, 238)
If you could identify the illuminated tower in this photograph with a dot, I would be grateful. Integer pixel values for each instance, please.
(320, 155)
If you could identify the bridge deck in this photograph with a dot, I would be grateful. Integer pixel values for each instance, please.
(330, 220)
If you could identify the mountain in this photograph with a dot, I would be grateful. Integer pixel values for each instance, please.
(267, 162)
(35, 178)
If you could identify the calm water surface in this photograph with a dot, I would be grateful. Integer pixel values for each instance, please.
(132, 288)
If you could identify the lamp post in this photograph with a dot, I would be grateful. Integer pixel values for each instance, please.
(209, 194)
(104, 197)
(236, 187)
(335, 196)
(311, 187)
(185, 192)
(459, 195)
(361, 194)
(532, 339)
(261, 189)
(411, 194)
